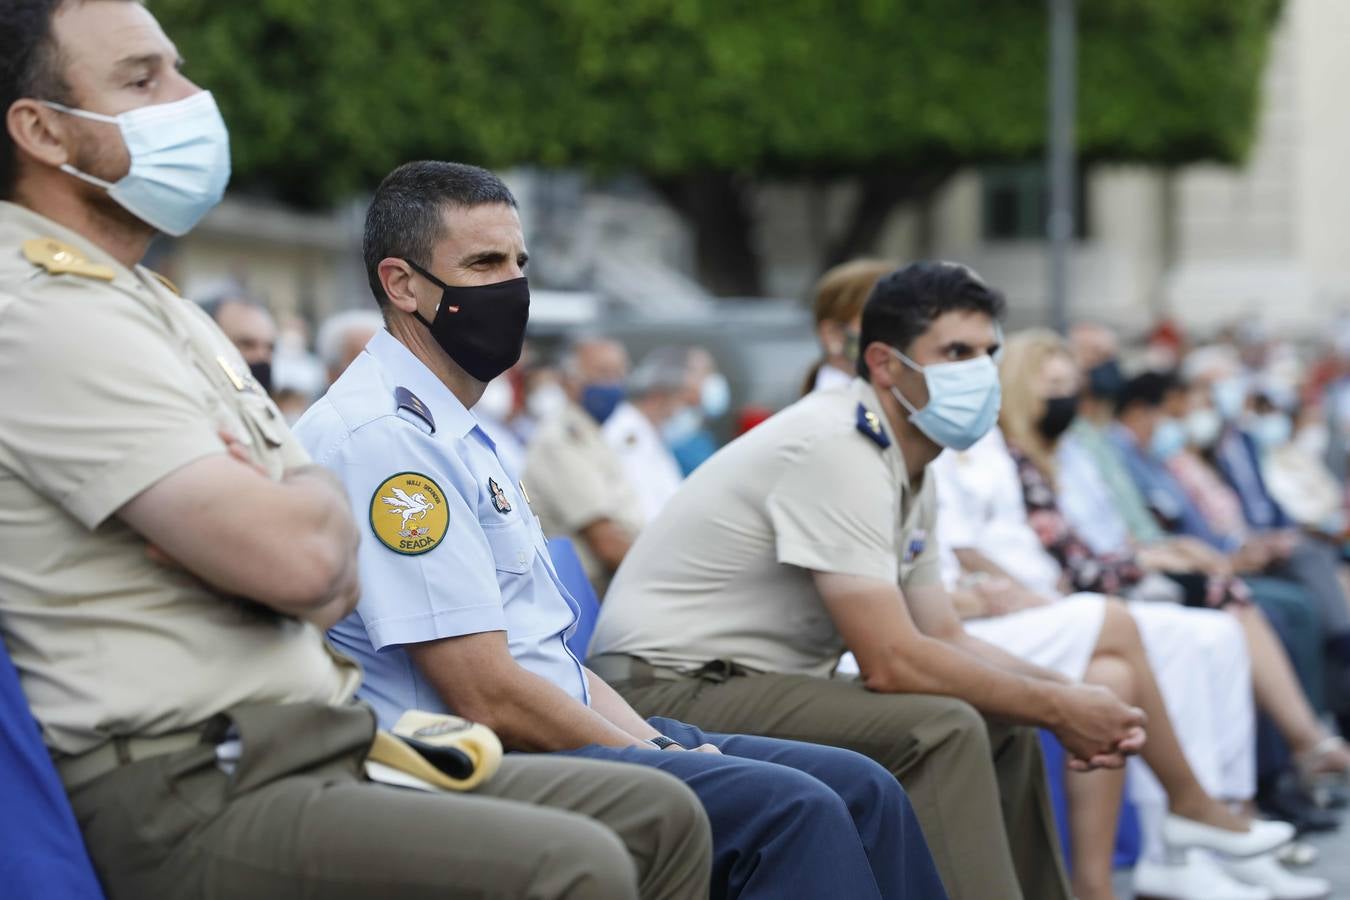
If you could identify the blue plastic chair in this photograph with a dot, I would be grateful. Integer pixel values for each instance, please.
(1128, 839)
(41, 850)
(573, 577)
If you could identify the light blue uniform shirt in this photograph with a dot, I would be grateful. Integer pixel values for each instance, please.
(490, 572)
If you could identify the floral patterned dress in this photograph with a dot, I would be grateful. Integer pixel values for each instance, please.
(1112, 573)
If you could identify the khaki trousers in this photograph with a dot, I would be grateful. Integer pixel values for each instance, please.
(297, 820)
(991, 828)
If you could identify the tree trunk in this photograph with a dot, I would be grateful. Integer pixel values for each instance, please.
(717, 206)
(879, 194)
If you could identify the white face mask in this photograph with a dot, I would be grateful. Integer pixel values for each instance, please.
(546, 401)
(180, 161)
(497, 401)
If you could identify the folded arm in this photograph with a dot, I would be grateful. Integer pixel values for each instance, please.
(289, 544)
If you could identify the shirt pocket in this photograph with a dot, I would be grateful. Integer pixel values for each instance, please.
(512, 547)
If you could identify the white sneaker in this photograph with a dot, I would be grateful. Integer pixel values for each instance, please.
(1267, 872)
(1261, 836)
(1198, 878)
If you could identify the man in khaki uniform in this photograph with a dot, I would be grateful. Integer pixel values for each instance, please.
(577, 483)
(814, 533)
(168, 556)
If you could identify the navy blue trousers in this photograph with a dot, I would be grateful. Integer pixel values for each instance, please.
(791, 819)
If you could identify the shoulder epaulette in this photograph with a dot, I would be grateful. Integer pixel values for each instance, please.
(406, 399)
(169, 285)
(869, 423)
(62, 259)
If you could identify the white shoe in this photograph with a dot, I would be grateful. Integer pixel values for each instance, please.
(1261, 836)
(1198, 878)
(1282, 884)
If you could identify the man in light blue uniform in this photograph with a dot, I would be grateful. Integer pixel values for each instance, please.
(462, 610)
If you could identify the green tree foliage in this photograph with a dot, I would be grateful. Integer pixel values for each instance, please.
(705, 96)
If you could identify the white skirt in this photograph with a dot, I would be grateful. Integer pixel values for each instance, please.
(1059, 637)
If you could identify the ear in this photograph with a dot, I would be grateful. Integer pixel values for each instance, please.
(878, 357)
(38, 131)
(396, 277)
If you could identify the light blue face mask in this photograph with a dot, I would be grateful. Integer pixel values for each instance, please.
(681, 426)
(715, 396)
(1271, 431)
(1230, 397)
(180, 161)
(1169, 439)
(963, 400)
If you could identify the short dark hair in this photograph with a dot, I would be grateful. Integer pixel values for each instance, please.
(31, 65)
(404, 220)
(1149, 390)
(904, 303)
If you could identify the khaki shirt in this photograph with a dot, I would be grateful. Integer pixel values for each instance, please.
(575, 480)
(109, 381)
(725, 571)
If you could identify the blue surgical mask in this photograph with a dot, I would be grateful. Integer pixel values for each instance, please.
(715, 396)
(681, 426)
(180, 161)
(963, 400)
(1271, 431)
(600, 400)
(1169, 439)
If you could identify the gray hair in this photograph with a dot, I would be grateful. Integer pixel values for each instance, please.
(334, 330)
(664, 370)
(567, 359)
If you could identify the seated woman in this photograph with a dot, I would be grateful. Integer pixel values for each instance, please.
(840, 295)
(1011, 590)
(1037, 364)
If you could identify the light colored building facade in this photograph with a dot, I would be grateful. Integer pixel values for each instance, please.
(1206, 244)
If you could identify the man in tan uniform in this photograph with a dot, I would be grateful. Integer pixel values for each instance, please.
(815, 533)
(168, 556)
(577, 483)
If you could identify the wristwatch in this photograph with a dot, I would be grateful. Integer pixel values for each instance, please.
(661, 742)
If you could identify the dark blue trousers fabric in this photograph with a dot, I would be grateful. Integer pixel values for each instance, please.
(792, 819)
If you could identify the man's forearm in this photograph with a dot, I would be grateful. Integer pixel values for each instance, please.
(608, 703)
(1002, 659)
(531, 713)
(933, 666)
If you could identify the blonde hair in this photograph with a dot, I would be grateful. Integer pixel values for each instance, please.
(842, 292)
(1024, 357)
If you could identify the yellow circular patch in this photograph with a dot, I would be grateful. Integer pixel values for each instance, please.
(408, 513)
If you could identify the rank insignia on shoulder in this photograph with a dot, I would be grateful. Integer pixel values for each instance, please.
(869, 423)
(168, 285)
(408, 513)
(62, 259)
(499, 501)
(406, 399)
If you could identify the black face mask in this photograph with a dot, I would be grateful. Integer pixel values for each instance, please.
(1059, 415)
(1106, 380)
(262, 373)
(481, 328)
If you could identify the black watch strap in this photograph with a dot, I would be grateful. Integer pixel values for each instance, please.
(661, 742)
